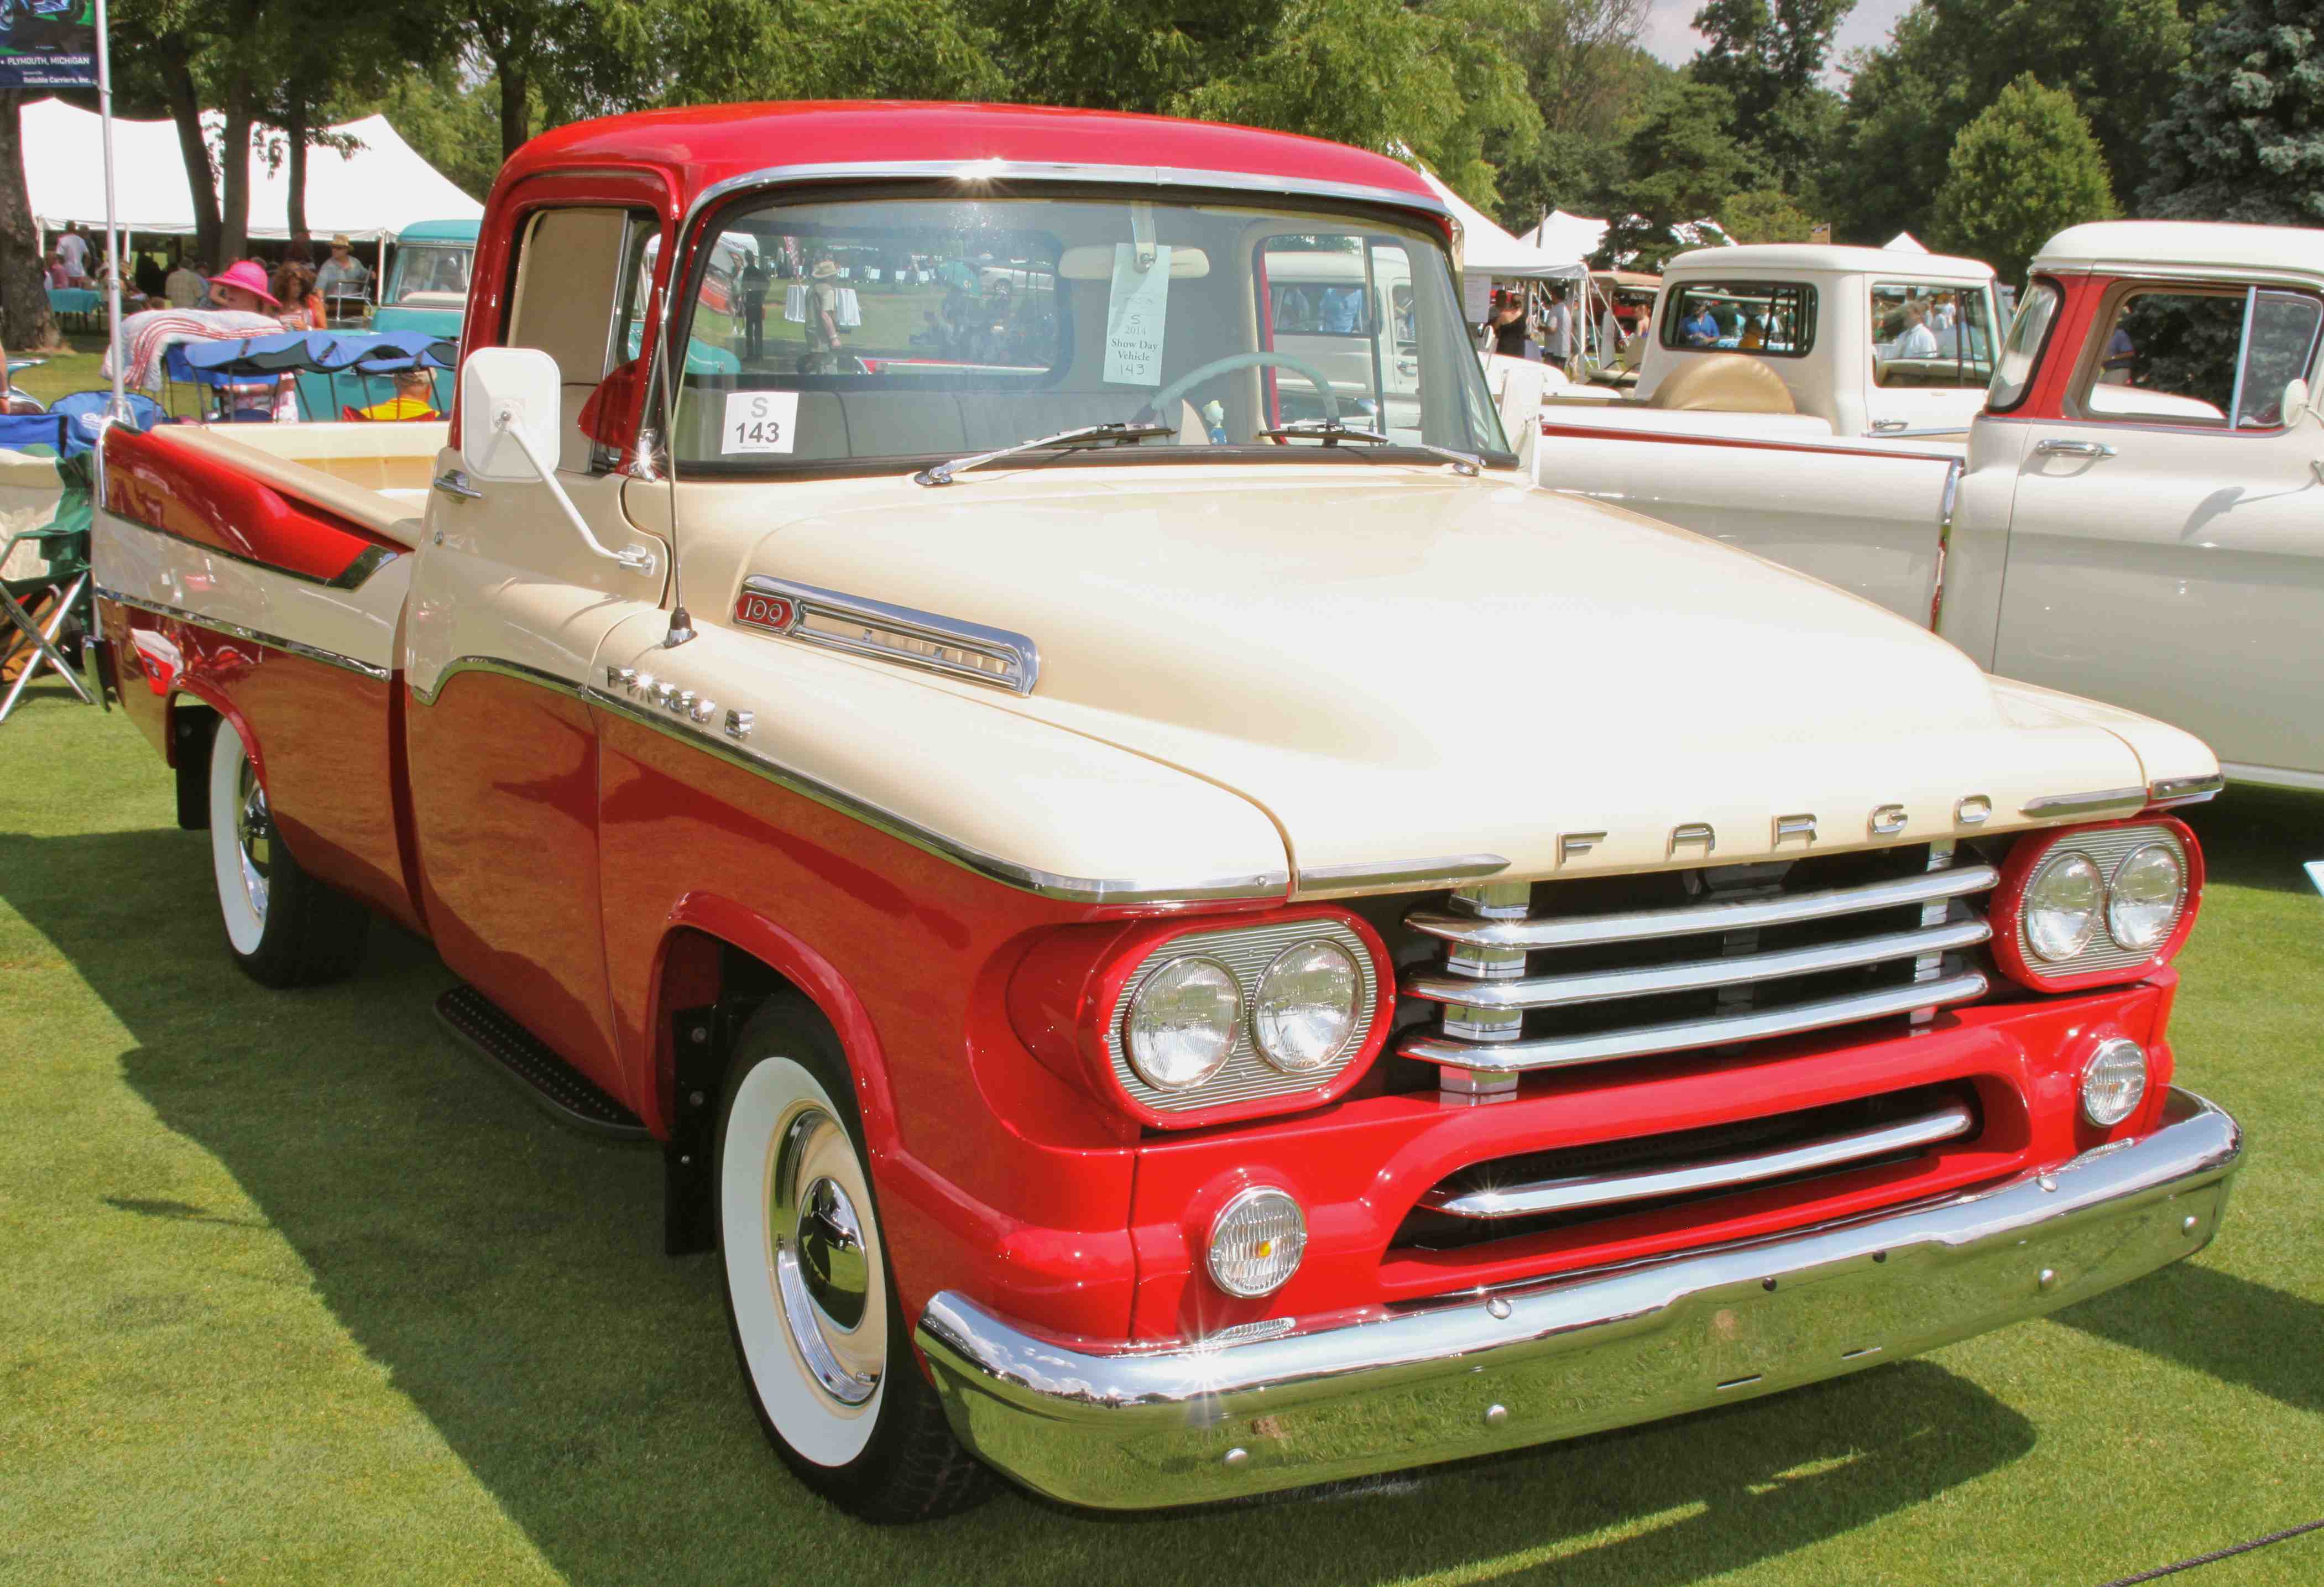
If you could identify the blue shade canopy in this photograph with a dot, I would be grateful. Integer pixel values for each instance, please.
(319, 352)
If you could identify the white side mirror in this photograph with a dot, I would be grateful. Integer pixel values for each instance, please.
(510, 409)
(2295, 402)
(512, 417)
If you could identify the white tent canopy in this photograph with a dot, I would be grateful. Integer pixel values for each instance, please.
(1904, 243)
(1577, 235)
(1486, 250)
(374, 190)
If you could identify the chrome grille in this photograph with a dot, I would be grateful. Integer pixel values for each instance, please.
(2107, 849)
(1536, 978)
(1246, 952)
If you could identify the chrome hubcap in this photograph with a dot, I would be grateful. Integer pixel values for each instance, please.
(253, 838)
(823, 1257)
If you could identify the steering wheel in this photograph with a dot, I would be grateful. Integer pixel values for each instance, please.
(1168, 397)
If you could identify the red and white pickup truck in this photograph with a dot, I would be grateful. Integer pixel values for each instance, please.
(1182, 928)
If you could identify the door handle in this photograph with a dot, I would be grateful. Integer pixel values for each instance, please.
(1882, 426)
(453, 482)
(2072, 450)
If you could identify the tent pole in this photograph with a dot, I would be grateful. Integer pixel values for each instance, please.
(112, 235)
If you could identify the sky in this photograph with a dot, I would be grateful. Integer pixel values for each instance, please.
(1668, 35)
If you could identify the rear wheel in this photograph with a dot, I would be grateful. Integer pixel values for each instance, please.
(283, 927)
(816, 1324)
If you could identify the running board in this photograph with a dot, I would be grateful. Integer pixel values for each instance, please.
(568, 1096)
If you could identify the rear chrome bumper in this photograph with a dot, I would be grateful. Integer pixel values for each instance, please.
(1130, 1427)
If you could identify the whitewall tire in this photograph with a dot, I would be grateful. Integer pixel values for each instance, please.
(283, 927)
(810, 1293)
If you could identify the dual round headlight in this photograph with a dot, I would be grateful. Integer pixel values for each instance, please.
(2068, 897)
(1185, 1019)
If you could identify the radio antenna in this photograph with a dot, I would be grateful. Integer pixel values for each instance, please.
(681, 625)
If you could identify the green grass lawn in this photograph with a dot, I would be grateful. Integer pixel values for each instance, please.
(76, 372)
(295, 1291)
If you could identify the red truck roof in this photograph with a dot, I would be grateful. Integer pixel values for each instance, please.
(702, 145)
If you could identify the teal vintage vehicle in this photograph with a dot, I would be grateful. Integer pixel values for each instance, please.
(428, 278)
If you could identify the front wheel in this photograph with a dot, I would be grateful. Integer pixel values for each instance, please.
(283, 927)
(812, 1304)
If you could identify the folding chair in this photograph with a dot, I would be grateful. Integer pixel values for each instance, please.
(48, 561)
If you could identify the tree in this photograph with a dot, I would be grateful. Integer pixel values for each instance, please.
(1121, 54)
(2244, 138)
(1682, 167)
(27, 327)
(2020, 173)
(1769, 57)
(1585, 74)
(1764, 215)
(452, 124)
(1950, 59)
(1380, 75)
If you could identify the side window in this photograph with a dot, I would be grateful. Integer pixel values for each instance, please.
(569, 273)
(2206, 359)
(2014, 374)
(1931, 334)
(1775, 318)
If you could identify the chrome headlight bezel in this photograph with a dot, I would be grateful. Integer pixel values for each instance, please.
(1248, 1081)
(2102, 957)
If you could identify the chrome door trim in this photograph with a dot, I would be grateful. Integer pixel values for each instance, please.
(1048, 884)
(272, 641)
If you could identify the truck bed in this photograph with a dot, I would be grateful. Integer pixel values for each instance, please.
(376, 475)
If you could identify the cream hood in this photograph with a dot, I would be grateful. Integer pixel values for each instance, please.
(1397, 664)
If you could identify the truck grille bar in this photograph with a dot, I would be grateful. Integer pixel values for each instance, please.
(1638, 924)
(1580, 1191)
(1764, 953)
(1516, 1057)
(1553, 992)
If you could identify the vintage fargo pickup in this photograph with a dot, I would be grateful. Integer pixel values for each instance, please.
(1176, 948)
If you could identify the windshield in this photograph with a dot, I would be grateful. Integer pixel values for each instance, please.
(432, 274)
(927, 328)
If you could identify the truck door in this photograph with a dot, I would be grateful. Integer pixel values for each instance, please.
(2166, 551)
(1932, 345)
(507, 608)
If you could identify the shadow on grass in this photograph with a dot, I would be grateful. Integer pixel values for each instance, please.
(508, 1277)
(2237, 1331)
(2260, 837)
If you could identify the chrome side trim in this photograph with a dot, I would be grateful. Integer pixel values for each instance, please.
(1637, 925)
(1599, 1190)
(353, 576)
(2184, 790)
(1127, 1425)
(2273, 776)
(1559, 992)
(1047, 884)
(1555, 1052)
(1370, 875)
(1944, 542)
(859, 625)
(2106, 801)
(272, 641)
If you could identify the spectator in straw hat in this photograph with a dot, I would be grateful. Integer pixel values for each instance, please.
(343, 275)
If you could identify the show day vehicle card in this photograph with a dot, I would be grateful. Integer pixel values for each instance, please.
(760, 421)
(1134, 313)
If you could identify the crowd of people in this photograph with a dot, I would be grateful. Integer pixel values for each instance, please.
(1528, 323)
(299, 294)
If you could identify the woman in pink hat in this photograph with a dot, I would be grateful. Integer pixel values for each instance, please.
(242, 285)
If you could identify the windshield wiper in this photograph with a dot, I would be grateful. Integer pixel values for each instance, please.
(1089, 435)
(1331, 432)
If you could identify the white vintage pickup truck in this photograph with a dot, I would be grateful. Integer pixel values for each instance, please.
(1173, 943)
(1810, 404)
(2138, 515)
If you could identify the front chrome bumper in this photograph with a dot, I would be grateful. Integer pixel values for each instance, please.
(1130, 1427)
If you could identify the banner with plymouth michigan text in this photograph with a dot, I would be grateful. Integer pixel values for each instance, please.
(48, 44)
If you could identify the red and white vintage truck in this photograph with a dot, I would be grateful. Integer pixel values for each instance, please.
(1183, 928)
